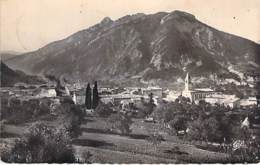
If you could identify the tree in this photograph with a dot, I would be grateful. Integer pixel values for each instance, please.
(73, 120)
(86, 156)
(155, 139)
(88, 100)
(72, 117)
(120, 122)
(204, 130)
(104, 110)
(179, 122)
(95, 96)
(151, 105)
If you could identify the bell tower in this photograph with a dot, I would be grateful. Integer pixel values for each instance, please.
(188, 85)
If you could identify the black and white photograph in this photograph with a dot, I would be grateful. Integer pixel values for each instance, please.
(130, 81)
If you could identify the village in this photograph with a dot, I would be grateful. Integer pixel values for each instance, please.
(148, 108)
(124, 96)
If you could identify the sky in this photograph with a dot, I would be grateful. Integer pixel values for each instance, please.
(27, 25)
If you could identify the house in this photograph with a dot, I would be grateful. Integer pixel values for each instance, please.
(113, 98)
(116, 99)
(249, 102)
(223, 99)
(74, 98)
(106, 100)
(245, 123)
(104, 90)
(44, 92)
(156, 91)
(172, 96)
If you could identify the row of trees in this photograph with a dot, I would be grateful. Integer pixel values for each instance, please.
(16, 111)
(91, 101)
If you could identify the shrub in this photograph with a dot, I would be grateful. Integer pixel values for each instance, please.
(103, 110)
(155, 139)
(120, 122)
(73, 118)
(204, 130)
(43, 144)
(86, 156)
(179, 122)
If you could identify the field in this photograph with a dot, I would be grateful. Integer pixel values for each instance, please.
(107, 147)
(134, 148)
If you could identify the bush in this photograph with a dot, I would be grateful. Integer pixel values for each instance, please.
(43, 144)
(179, 122)
(155, 139)
(204, 130)
(73, 118)
(104, 110)
(120, 122)
(86, 156)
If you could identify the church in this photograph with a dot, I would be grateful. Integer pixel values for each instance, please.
(196, 94)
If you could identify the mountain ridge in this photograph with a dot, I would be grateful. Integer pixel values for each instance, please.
(10, 77)
(160, 46)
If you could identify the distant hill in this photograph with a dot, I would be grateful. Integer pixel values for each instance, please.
(10, 77)
(5, 55)
(156, 47)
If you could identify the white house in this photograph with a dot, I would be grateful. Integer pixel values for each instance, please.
(172, 96)
(44, 92)
(245, 123)
(227, 100)
(156, 91)
(251, 101)
(74, 98)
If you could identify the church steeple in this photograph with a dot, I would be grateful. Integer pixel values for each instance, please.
(188, 84)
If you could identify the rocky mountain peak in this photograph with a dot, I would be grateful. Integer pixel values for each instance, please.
(182, 14)
(106, 21)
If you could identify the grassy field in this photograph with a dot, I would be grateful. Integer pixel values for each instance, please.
(113, 148)
(134, 148)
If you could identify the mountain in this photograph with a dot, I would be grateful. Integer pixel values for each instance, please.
(10, 77)
(157, 47)
(5, 55)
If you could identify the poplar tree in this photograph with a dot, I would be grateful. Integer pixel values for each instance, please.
(95, 96)
(88, 100)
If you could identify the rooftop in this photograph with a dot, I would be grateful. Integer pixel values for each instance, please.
(204, 89)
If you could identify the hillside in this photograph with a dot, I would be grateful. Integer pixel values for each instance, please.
(157, 47)
(5, 55)
(10, 77)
